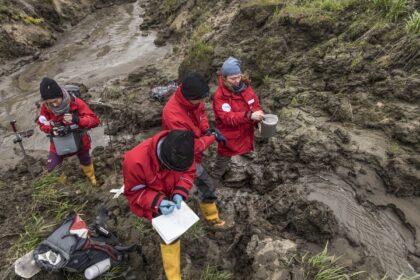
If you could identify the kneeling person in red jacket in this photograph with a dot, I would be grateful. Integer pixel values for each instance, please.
(158, 174)
(59, 112)
(185, 110)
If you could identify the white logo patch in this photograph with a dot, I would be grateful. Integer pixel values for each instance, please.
(251, 101)
(226, 107)
(42, 119)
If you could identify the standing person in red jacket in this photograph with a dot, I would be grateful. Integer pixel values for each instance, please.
(185, 110)
(158, 174)
(61, 109)
(236, 109)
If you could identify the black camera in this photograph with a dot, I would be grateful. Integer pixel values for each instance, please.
(62, 130)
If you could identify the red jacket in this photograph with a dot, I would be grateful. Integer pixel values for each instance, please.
(142, 171)
(179, 113)
(87, 119)
(232, 114)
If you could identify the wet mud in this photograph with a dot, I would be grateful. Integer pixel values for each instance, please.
(343, 167)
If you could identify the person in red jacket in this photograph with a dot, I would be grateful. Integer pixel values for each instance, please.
(60, 110)
(185, 110)
(237, 110)
(158, 175)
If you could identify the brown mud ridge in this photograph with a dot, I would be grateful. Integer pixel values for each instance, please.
(344, 166)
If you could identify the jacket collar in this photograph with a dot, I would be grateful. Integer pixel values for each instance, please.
(227, 92)
(153, 149)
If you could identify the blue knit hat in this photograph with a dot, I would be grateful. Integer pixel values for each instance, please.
(231, 66)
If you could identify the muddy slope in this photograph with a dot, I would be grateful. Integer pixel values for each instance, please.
(345, 86)
(344, 167)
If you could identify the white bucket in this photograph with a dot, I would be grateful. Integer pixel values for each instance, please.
(268, 125)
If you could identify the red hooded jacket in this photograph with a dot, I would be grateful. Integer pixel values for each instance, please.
(232, 114)
(179, 113)
(146, 183)
(87, 119)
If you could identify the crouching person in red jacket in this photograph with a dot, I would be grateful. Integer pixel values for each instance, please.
(66, 119)
(185, 110)
(158, 174)
(237, 110)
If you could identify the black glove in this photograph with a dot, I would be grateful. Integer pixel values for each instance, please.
(75, 119)
(219, 135)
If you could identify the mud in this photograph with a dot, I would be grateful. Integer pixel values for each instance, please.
(77, 57)
(343, 167)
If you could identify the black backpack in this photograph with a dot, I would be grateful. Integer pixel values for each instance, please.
(74, 246)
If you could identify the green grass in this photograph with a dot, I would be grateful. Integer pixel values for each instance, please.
(142, 226)
(2, 185)
(45, 189)
(116, 272)
(331, 5)
(309, 14)
(168, 5)
(322, 266)
(201, 30)
(391, 9)
(31, 20)
(48, 194)
(200, 50)
(211, 273)
(412, 25)
(83, 186)
(112, 93)
(35, 230)
(393, 148)
(196, 232)
(251, 3)
(65, 207)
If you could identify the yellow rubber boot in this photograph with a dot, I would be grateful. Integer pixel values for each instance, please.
(211, 215)
(62, 179)
(171, 258)
(90, 173)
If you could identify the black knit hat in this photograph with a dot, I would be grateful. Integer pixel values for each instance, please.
(50, 89)
(177, 150)
(194, 87)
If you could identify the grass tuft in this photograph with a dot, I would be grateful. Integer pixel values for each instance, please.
(211, 273)
(412, 25)
(34, 232)
(196, 232)
(391, 9)
(142, 226)
(31, 20)
(331, 5)
(322, 266)
(201, 50)
(45, 189)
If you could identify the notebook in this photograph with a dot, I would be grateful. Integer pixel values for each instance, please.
(172, 226)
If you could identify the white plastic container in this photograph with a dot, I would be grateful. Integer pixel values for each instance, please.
(268, 125)
(97, 269)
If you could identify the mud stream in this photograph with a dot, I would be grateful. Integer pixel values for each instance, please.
(104, 46)
(379, 231)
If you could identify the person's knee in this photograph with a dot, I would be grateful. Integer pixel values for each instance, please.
(52, 164)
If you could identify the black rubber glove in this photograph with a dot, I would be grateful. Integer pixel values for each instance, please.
(219, 135)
